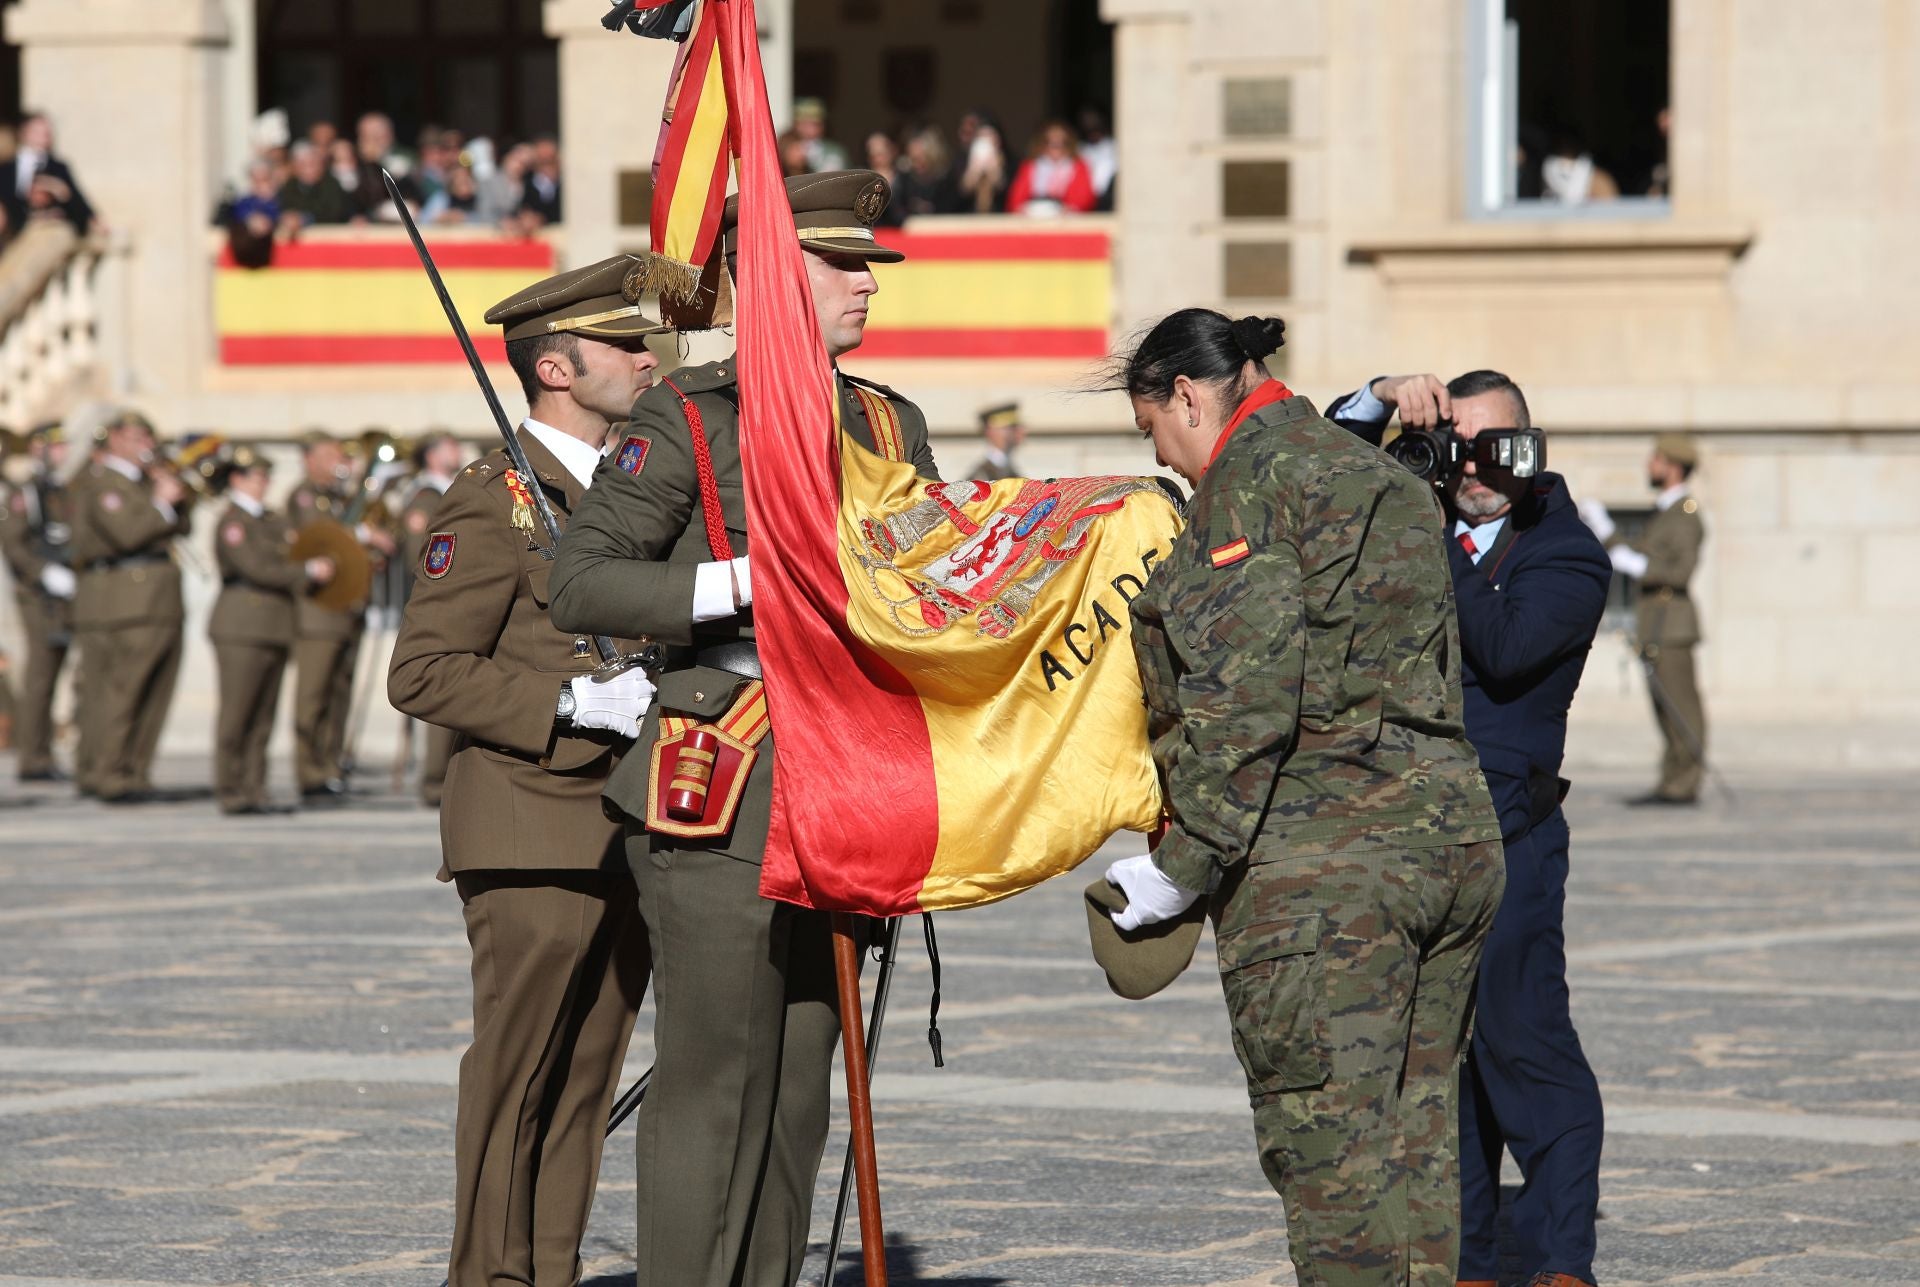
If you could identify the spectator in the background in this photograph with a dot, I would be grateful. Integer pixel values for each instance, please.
(373, 144)
(793, 155)
(1053, 179)
(1570, 175)
(925, 185)
(43, 181)
(343, 162)
(458, 202)
(311, 195)
(1097, 149)
(980, 173)
(810, 123)
(261, 201)
(502, 191)
(540, 196)
(883, 156)
(322, 135)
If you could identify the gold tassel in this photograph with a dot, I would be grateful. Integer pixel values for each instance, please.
(522, 518)
(671, 279)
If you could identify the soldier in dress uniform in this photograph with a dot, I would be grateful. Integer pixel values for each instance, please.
(36, 535)
(559, 952)
(327, 640)
(746, 1019)
(1300, 658)
(436, 459)
(1002, 429)
(252, 628)
(127, 614)
(1663, 560)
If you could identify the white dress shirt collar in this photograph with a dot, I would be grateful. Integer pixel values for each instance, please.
(1484, 535)
(579, 459)
(242, 501)
(1669, 498)
(439, 482)
(125, 468)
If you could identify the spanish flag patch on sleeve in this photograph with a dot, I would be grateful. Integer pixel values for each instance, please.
(1225, 556)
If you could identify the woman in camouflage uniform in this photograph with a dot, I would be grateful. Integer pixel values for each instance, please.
(1301, 664)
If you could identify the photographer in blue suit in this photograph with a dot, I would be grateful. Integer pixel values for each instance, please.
(1530, 583)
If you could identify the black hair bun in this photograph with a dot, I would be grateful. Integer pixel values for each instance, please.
(1259, 337)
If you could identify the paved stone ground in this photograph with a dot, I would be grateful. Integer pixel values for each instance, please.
(227, 1051)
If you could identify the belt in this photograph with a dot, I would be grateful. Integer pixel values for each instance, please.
(737, 658)
(128, 561)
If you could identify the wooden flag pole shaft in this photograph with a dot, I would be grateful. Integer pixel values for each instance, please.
(853, 1049)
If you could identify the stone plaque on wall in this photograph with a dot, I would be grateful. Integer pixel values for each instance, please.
(1261, 108)
(635, 199)
(1255, 189)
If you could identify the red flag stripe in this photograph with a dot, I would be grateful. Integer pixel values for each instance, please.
(535, 255)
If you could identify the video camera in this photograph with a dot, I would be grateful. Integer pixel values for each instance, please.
(1440, 454)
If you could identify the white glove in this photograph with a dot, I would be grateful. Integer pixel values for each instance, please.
(615, 702)
(58, 580)
(1151, 897)
(1595, 516)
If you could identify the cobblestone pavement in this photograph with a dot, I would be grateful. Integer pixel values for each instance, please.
(228, 1047)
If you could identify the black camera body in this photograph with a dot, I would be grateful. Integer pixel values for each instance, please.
(1440, 454)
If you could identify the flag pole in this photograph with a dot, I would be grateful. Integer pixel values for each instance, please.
(853, 1049)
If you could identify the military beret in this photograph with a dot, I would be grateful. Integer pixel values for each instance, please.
(1680, 448)
(834, 213)
(1140, 962)
(601, 300)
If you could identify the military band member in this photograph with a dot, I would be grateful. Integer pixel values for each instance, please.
(252, 628)
(128, 615)
(1301, 665)
(1002, 430)
(36, 536)
(1663, 560)
(436, 460)
(327, 640)
(559, 953)
(731, 1131)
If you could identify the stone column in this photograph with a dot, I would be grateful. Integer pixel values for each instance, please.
(1159, 260)
(612, 87)
(134, 88)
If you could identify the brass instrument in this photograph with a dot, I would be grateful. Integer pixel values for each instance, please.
(195, 460)
(334, 539)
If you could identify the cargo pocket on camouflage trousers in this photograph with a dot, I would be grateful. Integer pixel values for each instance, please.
(1274, 975)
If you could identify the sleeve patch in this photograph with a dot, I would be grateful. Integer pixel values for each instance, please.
(437, 561)
(1224, 556)
(632, 456)
(111, 502)
(233, 534)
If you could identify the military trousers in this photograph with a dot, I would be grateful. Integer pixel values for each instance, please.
(250, 675)
(1349, 979)
(746, 1018)
(1683, 722)
(559, 969)
(129, 673)
(47, 639)
(323, 702)
(1527, 1087)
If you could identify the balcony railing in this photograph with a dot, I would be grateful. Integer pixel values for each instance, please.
(49, 323)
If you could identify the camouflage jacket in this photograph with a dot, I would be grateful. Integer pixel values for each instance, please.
(1301, 658)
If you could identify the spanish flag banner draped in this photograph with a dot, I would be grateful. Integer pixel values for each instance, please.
(955, 703)
(690, 165)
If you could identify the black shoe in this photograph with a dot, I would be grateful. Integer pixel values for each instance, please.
(45, 775)
(324, 795)
(128, 797)
(1653, 798)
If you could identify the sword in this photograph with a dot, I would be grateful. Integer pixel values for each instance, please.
(610, 655)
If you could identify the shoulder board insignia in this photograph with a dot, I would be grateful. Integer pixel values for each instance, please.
(1223, 556)
(632, 456)
(233, 533)
(438, 559)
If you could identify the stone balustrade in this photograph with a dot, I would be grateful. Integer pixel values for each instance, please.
(49, 323)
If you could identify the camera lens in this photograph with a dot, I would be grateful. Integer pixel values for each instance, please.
(1416, 451)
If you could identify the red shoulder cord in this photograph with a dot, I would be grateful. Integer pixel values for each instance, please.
(717, 540)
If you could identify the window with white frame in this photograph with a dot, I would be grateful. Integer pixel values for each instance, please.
(1569, 107)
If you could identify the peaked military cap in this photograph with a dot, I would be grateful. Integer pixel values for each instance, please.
(50, 432)
(1005, 416)
(1680, 448)
(834, 213)
(601, 300)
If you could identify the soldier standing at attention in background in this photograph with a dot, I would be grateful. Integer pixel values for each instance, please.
(559, 953)
(252, 629)
(746, 1015)
(1662, 560)
(327, 640)
(36, 536)
(1301, 665)
(1003, 431)
(435, 461)
(127, 613)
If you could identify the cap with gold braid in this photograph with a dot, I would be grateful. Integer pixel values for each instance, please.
(1005, 416)
(833, 212)
(601, 301)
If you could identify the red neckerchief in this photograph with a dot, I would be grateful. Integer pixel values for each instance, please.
(1265, 396)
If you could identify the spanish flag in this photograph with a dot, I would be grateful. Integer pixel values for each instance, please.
(690, 164)
(953, 694)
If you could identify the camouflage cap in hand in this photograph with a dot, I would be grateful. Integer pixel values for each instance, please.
(601, 301)
(1140, 962)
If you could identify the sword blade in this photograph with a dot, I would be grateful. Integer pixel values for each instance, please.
(609, 654)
